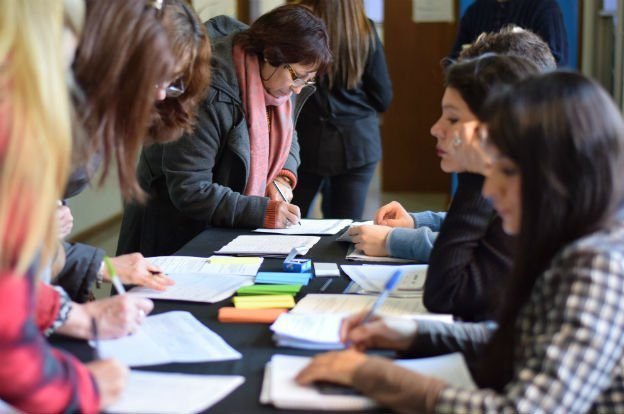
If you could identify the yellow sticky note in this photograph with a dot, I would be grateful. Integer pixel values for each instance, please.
(264, 301)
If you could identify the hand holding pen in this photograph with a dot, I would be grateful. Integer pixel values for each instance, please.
(134, 269)
(287, 214)
(366, 330)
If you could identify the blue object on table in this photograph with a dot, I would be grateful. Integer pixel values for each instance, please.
(291, 264)
(283, 278)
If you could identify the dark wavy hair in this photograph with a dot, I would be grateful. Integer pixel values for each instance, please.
(190, 43)
(124, 52)
(566, 137)
(288, 34)
(476, 79)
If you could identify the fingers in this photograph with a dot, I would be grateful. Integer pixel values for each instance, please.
(288, 215)
(156, 281)
(388, 212)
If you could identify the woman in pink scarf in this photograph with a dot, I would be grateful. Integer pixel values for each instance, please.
(238, 167)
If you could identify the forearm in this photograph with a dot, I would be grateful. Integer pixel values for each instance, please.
(415, 244)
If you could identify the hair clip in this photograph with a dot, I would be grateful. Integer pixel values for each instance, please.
(157, 4)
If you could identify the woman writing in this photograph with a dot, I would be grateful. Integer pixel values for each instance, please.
(244, 146)
(557, 145)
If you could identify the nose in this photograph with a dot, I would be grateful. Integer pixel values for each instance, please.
(437, 130)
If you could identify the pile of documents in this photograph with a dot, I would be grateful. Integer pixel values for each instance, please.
(312, 226)
(269, 245)
(280, 389)
(372, 279)
(199, 279)
(307, 331)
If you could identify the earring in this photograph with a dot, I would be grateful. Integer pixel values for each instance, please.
(456, 141)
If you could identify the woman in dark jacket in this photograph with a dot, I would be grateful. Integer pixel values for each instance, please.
(227, 171)
(339, 126)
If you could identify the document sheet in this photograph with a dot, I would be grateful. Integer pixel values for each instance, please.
(280, 389)
(312, 226)
(214, 265)
(269, 245)
(169, 337)
(196, 287)
(318, 304)
(156, 392)
(308, 331)
(358, 256)
(373, 278)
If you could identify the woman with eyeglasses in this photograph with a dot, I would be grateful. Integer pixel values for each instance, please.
(338, 128)
(557, 145)
(174, 113)
(239, 165)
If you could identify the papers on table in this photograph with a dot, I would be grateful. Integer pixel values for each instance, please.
(196, 287)
(169, 337)
(213, 265)
(269, 245)
(359, 256)
(155, 392)
(280, 389)
(283, 278)
(312, 226)
(413, 308)
(373, 278)
(313, 331)
(344, 237)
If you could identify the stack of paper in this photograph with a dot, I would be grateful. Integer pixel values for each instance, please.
(264, 301)
(228, 314)
(156, 392)
(268, 245)
(337, 304)
(373, 278)
(283, 278)
(359, 256)
(280, 389)
(312, 226)
(169, 337)
(308, 331)
(269, 290)
(196, 287)
(213, 265)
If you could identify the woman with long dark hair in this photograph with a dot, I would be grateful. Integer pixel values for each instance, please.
(557, 143)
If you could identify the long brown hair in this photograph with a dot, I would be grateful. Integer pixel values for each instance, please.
(566, 136)
(190, 44)
(123, 54)
(351, 37)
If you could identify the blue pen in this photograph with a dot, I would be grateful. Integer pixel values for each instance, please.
(390, 285)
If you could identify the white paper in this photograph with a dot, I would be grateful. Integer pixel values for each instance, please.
(278, 245)
(344, 237)
(312, 226)
(359, 256)
(169, 337)
(196, 287)
(308, 331)
(373, 278)
(326, 269)
(337, 304)
(156, 392)
(430, 11)
(190, 264)
(284, 392)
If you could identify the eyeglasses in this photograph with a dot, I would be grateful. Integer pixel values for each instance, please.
(296, 79)
(175, 89)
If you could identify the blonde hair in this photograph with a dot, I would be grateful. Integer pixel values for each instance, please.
(34, 130)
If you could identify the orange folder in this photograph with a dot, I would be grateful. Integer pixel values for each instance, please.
(237, 315)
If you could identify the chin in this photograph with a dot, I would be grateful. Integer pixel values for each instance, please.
(510, 229)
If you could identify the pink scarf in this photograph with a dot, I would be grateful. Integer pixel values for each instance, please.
(269, 151)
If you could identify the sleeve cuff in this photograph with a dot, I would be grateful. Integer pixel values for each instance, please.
(290, 176)
(270, 217)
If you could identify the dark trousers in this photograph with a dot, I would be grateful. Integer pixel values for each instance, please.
(344, 195)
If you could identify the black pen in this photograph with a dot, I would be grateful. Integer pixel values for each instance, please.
(279, 190)
(95, 339)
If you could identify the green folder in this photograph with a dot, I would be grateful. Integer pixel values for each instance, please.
(269, 290)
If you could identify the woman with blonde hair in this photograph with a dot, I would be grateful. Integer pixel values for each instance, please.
(339, 126)
(34, 162)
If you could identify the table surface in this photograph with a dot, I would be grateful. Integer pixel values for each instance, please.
(253, 341)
